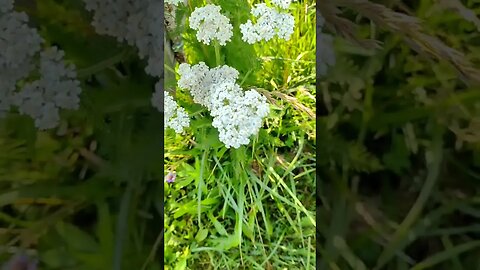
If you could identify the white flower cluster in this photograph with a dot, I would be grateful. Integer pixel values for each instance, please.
(56, 89)
(6, 6)
(175, 116)
(236, 114)
(325, 49)
(18, 44)
(269, 22)
(199, 78)
(211, 25)
(136, 22)
(40, 99)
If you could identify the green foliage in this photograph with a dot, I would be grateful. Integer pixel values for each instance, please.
(227, 207)
(396, 124)
(87, 194)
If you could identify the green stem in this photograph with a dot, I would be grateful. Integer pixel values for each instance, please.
(367, 112)
(122, 226)
(218, 61)
(85, 72)
(417, 208)
(199, 191)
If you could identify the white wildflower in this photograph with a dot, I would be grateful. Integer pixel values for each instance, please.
(191, 78)
(18, 42)
(222, 74)
(8, 81)
(236, 114)
(249, 32)
(56, 89)
(223, 95)
(18, 45)
(110, 16)
(198, 79)
(211, 25)
(143, 32)
(286, 25)
(269, 22)
(175, 116)
(135, 22)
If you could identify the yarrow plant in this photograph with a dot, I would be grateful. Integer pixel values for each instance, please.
(198, 79)
(40, 99)
(19, 43)
(269, 22)
(175, 116)
(211, 25)
(135, 22)
(236, 114)
(138, 24)
(56, 89)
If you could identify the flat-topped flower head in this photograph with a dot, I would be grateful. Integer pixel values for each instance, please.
(56, 89)
(269, 22)
(19, 42)
(211, 25)
(199, 78)
(191, 78)
(237, 114)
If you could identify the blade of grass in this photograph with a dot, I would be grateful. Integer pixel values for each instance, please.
(445, 255)
(416, 210)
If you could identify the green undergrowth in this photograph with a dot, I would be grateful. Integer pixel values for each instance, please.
(251, 207)
(398, 144)
(87, 195)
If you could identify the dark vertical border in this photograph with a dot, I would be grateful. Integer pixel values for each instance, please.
(317, 150)
(162, 141)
